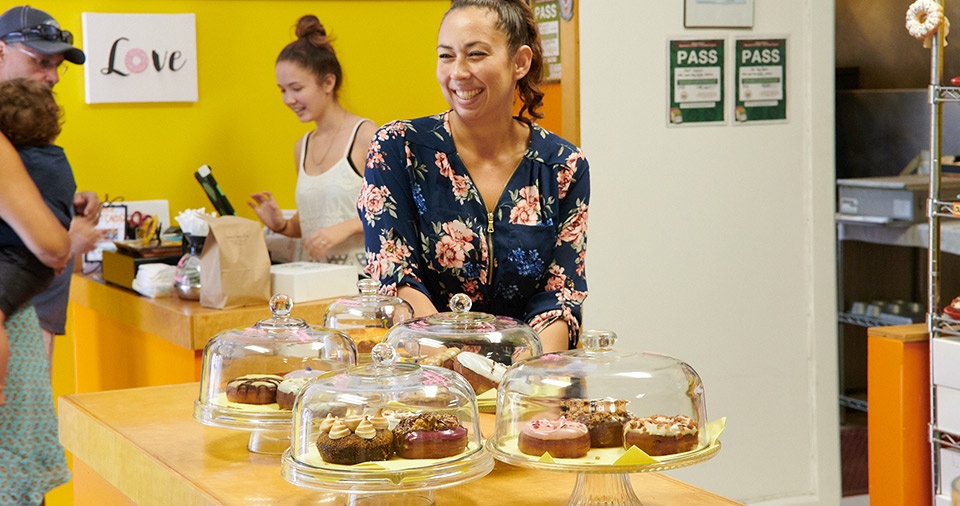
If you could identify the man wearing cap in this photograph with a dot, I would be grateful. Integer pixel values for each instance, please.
(32, 45)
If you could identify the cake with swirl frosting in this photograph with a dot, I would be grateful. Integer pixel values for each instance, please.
(660, 435)
(560, 438)
(353, 440)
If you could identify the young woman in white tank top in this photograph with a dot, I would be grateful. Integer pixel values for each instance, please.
(330, 159)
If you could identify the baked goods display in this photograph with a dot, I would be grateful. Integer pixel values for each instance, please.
(429, 436)
(600, 409)
(481, 372)
(253, 389)
(292, 382)
(604, 419)
(478, 346)
(354, 440)
(250, 376)
(403, 427)
(659, 435)
(560, 438)
(367, 317)
(924, 18)
(366, 337)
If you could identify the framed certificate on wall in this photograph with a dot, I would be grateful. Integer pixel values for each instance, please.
(718, 13)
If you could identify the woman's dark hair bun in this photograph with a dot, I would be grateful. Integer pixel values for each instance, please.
(310, 28)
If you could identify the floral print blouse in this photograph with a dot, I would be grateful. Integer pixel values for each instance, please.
(426, 225)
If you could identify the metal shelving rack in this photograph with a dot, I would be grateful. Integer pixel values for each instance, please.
(937, 325)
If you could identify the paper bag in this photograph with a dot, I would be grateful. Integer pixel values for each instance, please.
(234, 264)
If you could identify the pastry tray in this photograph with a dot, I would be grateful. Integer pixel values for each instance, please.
(392, 476)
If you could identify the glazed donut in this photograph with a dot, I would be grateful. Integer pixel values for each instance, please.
(923, 18)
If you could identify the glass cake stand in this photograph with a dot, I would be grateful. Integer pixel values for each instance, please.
(608, 485)
(603, 387)
(273, 346)
(385, 385)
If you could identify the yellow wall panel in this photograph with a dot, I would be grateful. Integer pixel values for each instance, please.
(239, 126)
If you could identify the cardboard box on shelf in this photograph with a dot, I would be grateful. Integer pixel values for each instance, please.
(306, 281)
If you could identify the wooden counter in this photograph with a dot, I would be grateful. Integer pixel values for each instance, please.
(125, 340)
(146, 443)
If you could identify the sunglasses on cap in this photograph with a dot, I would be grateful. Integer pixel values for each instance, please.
(45, 32)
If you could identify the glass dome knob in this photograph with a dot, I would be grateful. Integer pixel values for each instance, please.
(598, 340)
(383, 355)
(281, 304)
(368, 287)
(461, 303)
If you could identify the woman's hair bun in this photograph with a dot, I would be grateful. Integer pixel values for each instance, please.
(310, 28)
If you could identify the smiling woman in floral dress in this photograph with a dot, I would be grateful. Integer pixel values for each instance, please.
(476, 200)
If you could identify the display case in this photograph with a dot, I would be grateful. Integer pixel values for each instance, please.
(367, 317)
(386, 432)
(250, 376)
(602, 411)
(478, 346)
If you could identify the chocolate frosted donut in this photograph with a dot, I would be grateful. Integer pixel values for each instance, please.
(254, 389)
(429, 436)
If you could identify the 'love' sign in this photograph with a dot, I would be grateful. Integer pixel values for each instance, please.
(140, 57)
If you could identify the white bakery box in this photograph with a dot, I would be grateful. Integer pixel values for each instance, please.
(307, 281)
(946, 379)
(949, 470)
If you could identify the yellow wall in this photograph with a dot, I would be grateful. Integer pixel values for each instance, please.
(239, 126)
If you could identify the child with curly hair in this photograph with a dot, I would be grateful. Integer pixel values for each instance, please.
(30, 118)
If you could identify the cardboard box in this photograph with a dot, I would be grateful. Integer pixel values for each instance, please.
(948, 409)
(946, 362)
(891, 198)
(949, 469)
(306, 281)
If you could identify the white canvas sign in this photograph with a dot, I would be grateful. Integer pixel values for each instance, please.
(140, 57)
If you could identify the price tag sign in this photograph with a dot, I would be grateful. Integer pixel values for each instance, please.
(955, 209)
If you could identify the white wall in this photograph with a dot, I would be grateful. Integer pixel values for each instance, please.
(715, 244)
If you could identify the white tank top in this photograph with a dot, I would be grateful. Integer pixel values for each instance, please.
(330, 198)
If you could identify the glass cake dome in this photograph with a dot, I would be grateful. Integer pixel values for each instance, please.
(385, 428)
(367, 317)
(479, 346)
(250, 376)
(599, 410)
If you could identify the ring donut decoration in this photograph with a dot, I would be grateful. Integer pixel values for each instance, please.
(924, 17)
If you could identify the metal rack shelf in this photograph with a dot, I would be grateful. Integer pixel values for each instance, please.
(937, 210)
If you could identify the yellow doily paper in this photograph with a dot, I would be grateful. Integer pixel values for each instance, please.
(395, 463)
(249, 408)
(487, 401)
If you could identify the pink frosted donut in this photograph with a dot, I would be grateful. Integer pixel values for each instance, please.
(136, 60)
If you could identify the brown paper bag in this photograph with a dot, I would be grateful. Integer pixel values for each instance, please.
(234, 264)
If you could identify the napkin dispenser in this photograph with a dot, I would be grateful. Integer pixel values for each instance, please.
(120, 267)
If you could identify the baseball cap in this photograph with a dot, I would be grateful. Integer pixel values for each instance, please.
(38, 31)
